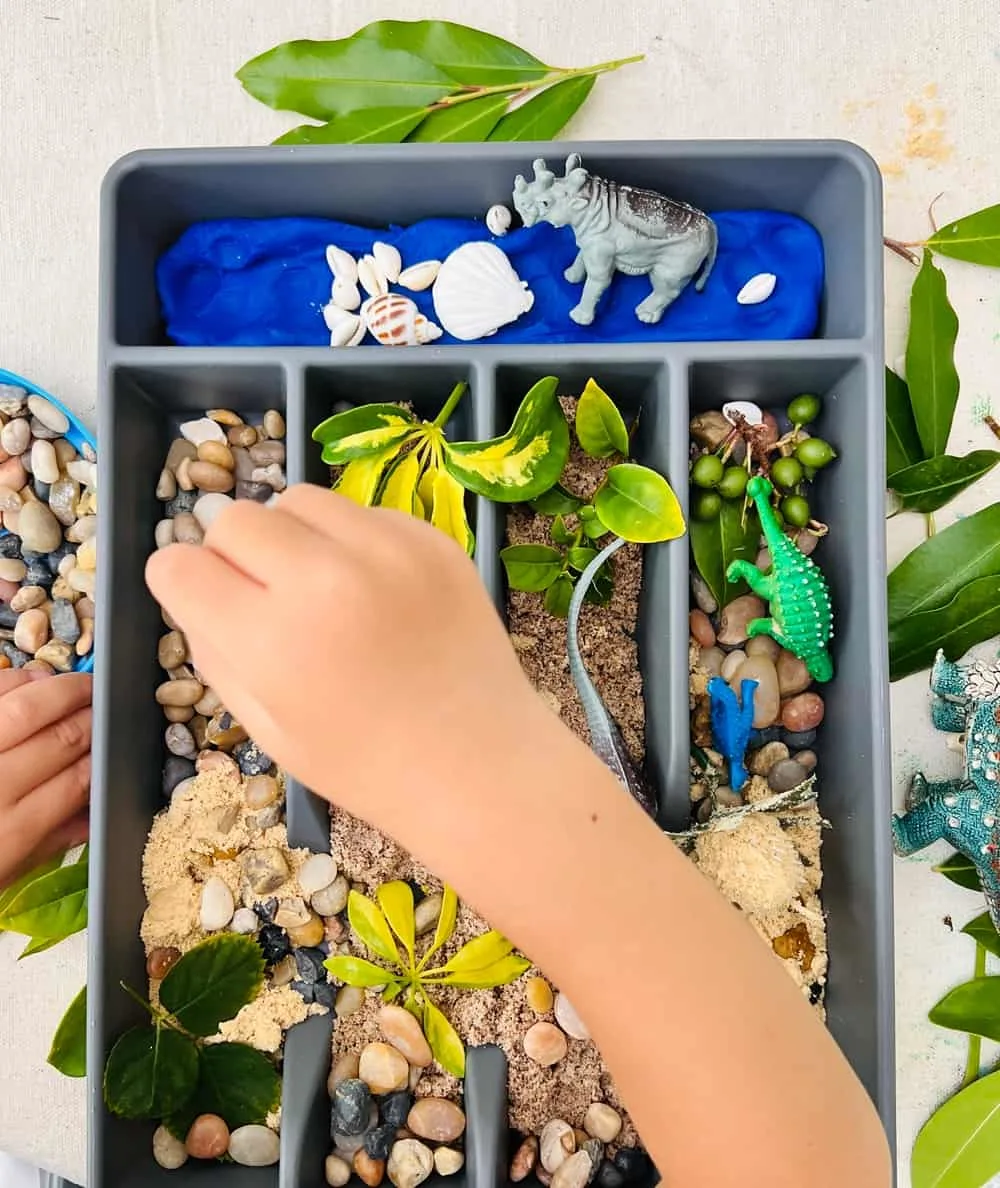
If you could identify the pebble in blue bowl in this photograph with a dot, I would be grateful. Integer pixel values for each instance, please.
(16, 395)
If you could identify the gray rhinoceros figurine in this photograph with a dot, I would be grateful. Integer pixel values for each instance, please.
(619, 228)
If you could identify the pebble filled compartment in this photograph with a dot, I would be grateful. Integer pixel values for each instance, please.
(147, 392)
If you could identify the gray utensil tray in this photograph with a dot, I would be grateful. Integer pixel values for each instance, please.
(146, 386)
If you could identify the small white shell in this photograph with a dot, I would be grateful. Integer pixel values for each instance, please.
(342, 264)
(345, 293)
(343, 326)
(498, 219)
(388, 259)
(372, 277)
(748, 411)
(757, 289)
(420, 276)
(394, 320)
(477, 291)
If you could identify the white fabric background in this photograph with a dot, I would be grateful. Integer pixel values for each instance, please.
(84, 81)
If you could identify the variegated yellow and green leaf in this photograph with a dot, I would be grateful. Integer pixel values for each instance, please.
(500, 973)
(355, 971)
(371, 926)
(396, 901)
(400, 487)
(448, 510)
(448, 1049)
(425, 489)
(362, 431)
(526, 461)
(359, 480)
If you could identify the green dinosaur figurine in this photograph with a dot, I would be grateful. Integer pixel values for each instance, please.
(801, 619)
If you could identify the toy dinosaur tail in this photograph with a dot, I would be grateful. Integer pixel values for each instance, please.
(706, 271)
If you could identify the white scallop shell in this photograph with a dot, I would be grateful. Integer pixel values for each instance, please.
(372, 277)
(747, 410)
(477, 291)
(757, 289)
(420, 276)
(394, 320)
(345, 293)
(342, 264)
(498, 219)
(344, 327)
(389, 260)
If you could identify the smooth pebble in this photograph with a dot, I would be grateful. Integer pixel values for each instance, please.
(766, 698)
(735, 617)
(403, 1031)
(163, 533)
(786, 775)
(318, 870)
(806, 759)
(602, 1122)
(447, 1161)
(700, 627)
(763, 645)
(44, 463)
(575, 1172)
(545, 1044)
(731, 664)
(769, 754)
(180, 741)
(217, 905)
(351, 1107)
(187, 530)
(169, 1152)
(244, 921)
(802, 713)
(50, 416)
(254, 1146)
(38, 528)
(410, 1163)
(337, 1170)
(208, 1137)
(436, 1119)
(274, 424)
(525, 1158)
(569, 1020)
(350, 1000)
(369, 1170)
(712, 660)
(200, 430)
(211, 478)
(56, 652)
(427, 913)
(15, 437)
(793, 676)
(556, 1143)
(12, 569)
(383, 1068)
(538, 994)
(702, 595)
(27, 598)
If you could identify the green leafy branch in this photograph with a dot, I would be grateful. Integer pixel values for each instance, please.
(946, 593)
(167, 1071)
(483, 962)
(418, 81)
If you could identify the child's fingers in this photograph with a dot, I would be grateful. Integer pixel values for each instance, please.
(335, 516)
(261, 542)
(35, 705)
(45, 753)
(51, 818)
(199, 587)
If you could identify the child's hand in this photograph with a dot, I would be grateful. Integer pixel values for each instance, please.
(44, 767)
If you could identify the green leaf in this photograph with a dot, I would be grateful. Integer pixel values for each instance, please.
(68, 1053)
(717, 543)
(480, 952)
(902, 441)
(446, 923)
(929, 485)
(560, 533)
(973, 1006)
(213, 981)
(473, 120)
(983, 932)
(530, 566)
(467, 55)
(324, 79)
(930, 365)
(54, 905)
(526, 460)
(396, 901)
(580, 557)
(557, 501)
(934, 572)
(601, 589)
(355, 971)
(600, 428)
(371, 927)
(558, 597)
(236, 1082)
(39, 944)
(150, 1072)
(972, 616)
(399, 487)
(960, 870)
(373, 125)
(359, 480)
(959, 1145)
(9, 894)
(362, 432)
(500, 973)
(545, 115)
(593, 529)
(448, 1049)
(448, 510)
(975, 238)
(638, 504)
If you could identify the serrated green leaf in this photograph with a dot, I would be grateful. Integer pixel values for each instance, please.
(54, 905)
(526, 460)
(213, 981)
(150, 1072)
(959, 869)
(973, 1006)
(930, 364)
(355, 433)
(558, 597)
(473, 120)
(972, 616)
(959, 1145)
(934, 572)
(556, 501)
(448, 510)
(929, 485)
(373, 125)
(902, 441)
(396, 901)
(359, 480)
(236, 1082)
(983, 932)
(467, 55)
(355, 971)
(444, 1041)
(560, 534)
(638, 504)
(717, 543)
(325, 79)
(600, 428)
(10, 893)
(478, 953)
(580, 557)
(500, 973)
(974, 238)
(39, 944)
(545, 115)
(531, 567)
(68, 1053)
(371, 926)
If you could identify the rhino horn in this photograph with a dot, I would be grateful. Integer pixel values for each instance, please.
(573, 161)
(539, 167)
(520, 185)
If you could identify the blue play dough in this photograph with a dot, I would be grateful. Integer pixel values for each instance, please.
(264, 282)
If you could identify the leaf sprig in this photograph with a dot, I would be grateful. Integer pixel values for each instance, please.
(483, 962)
(419, 81)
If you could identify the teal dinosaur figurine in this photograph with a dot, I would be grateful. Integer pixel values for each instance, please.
(801, 620)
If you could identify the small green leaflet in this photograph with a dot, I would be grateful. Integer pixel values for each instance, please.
(371, 926)
(600, 428)
(558, 596)
(975, 238)
(902, 441)
(54, 905)
(373, 125)
(448, 1049)
(68, 1053)
(638, 504)
(973, 1006)
(396, 901)
(531, 567)
(212, 982)
(717, 543)
(959, 869)
(959, 1145)
(983, 932)
(545, 115)
(557, 501)
(355, 971)
(967, 619)
(39, 944)
(472, 120)
(9, 894)
(930, 365)
(929, 485)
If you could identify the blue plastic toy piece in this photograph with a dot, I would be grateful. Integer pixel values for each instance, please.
(731, 720)
(77, 435)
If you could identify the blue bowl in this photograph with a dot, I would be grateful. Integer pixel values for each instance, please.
(77, 435)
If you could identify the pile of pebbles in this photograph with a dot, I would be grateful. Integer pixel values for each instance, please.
(563, 1156)
(48, 555)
